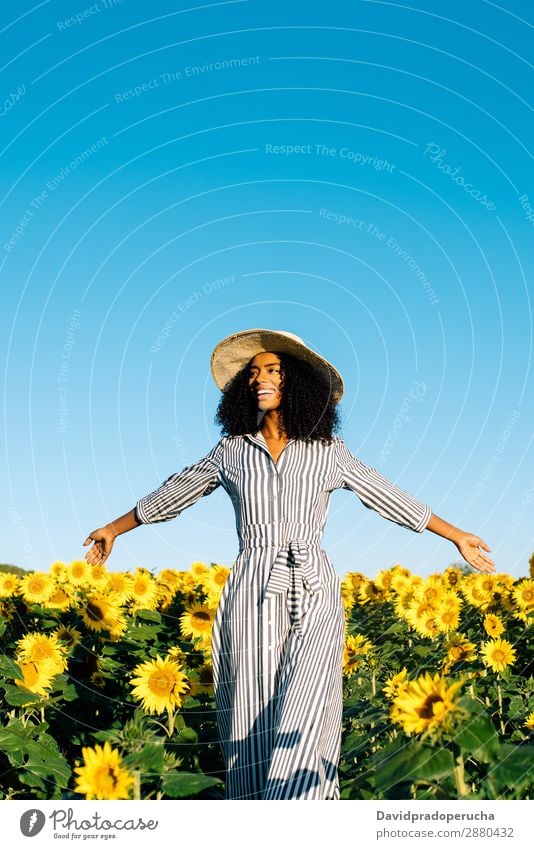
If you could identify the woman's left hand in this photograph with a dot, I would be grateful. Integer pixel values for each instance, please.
(468, 546)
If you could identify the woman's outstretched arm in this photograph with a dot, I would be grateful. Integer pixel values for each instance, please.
(466, 543)
(104, 538)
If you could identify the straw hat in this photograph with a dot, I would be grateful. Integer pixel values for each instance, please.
(235, 351)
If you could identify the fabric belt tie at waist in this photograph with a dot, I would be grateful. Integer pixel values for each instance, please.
(292, 570)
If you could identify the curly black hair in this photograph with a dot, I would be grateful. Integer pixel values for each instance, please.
(307, 410)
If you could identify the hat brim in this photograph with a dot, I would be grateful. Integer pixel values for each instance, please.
(234, 352)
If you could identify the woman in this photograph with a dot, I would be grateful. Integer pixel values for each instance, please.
(278, 634)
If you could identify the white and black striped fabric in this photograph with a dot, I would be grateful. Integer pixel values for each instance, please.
(278, 634)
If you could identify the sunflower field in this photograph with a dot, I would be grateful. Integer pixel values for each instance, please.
(107, 689)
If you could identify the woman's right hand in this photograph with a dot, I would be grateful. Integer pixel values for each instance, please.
(103, 539)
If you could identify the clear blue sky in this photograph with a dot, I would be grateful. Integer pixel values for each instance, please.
(356, 173)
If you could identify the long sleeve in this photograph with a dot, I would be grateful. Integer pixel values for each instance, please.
(378, 493)
(182, 489)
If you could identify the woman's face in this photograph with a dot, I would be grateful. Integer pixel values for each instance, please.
(264, 380)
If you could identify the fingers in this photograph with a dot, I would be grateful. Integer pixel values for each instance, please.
(483, 564)
(94, 554)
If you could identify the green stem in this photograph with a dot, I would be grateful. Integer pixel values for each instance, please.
(373, 683)
(459, 773)
(170, 725)
(499, 696)
(137, 785)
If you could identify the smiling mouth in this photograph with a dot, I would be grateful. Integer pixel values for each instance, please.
(263, 393)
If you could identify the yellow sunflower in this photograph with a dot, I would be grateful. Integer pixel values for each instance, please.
(201, 681)
(98, 679)
(7, 609)
(168, 582)
(356, 579)
(178, 655)
(57, 570)
(369, 593)
(422, 617)
(37, 587)
(159, 685)
(78, 573)
(197, 621)
(102, 776)
(199, 571)
(216, 578)
(384, 581)
(425, 705)
(448, 618)
(429, 592)
(497, 654)
(400, 585)
(118, 627)
(143, 590)
(100, 613)
(403, 603)
(69, 637)
(523, 594)
(356, 648)
(9, 584)
(98, 575)
(41, 649)
(347, 595)
(458, 648)
(453, 576)
(474, 593)
(118, 585)
(395, 683)
(60, 599)
(36, 677)
(428, 625)
(529, 722)
(187, 582)
(493, 625)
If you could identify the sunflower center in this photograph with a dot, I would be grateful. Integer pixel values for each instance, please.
(36, 587)
(105, 778)
(431, 706)
(528, 595)
(201, 620)
(161, 684)
(499, 656)
(94, 612)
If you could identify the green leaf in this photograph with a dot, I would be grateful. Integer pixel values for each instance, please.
(478, 738)
(411, 763)
(516, 707)
(9, 669)
(149, 615)
(187, 736)
(142, 633)
(513, 767)
(180, 785)
(148, 760)
(19, 696)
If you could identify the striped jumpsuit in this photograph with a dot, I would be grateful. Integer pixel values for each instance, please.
(278, 634)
